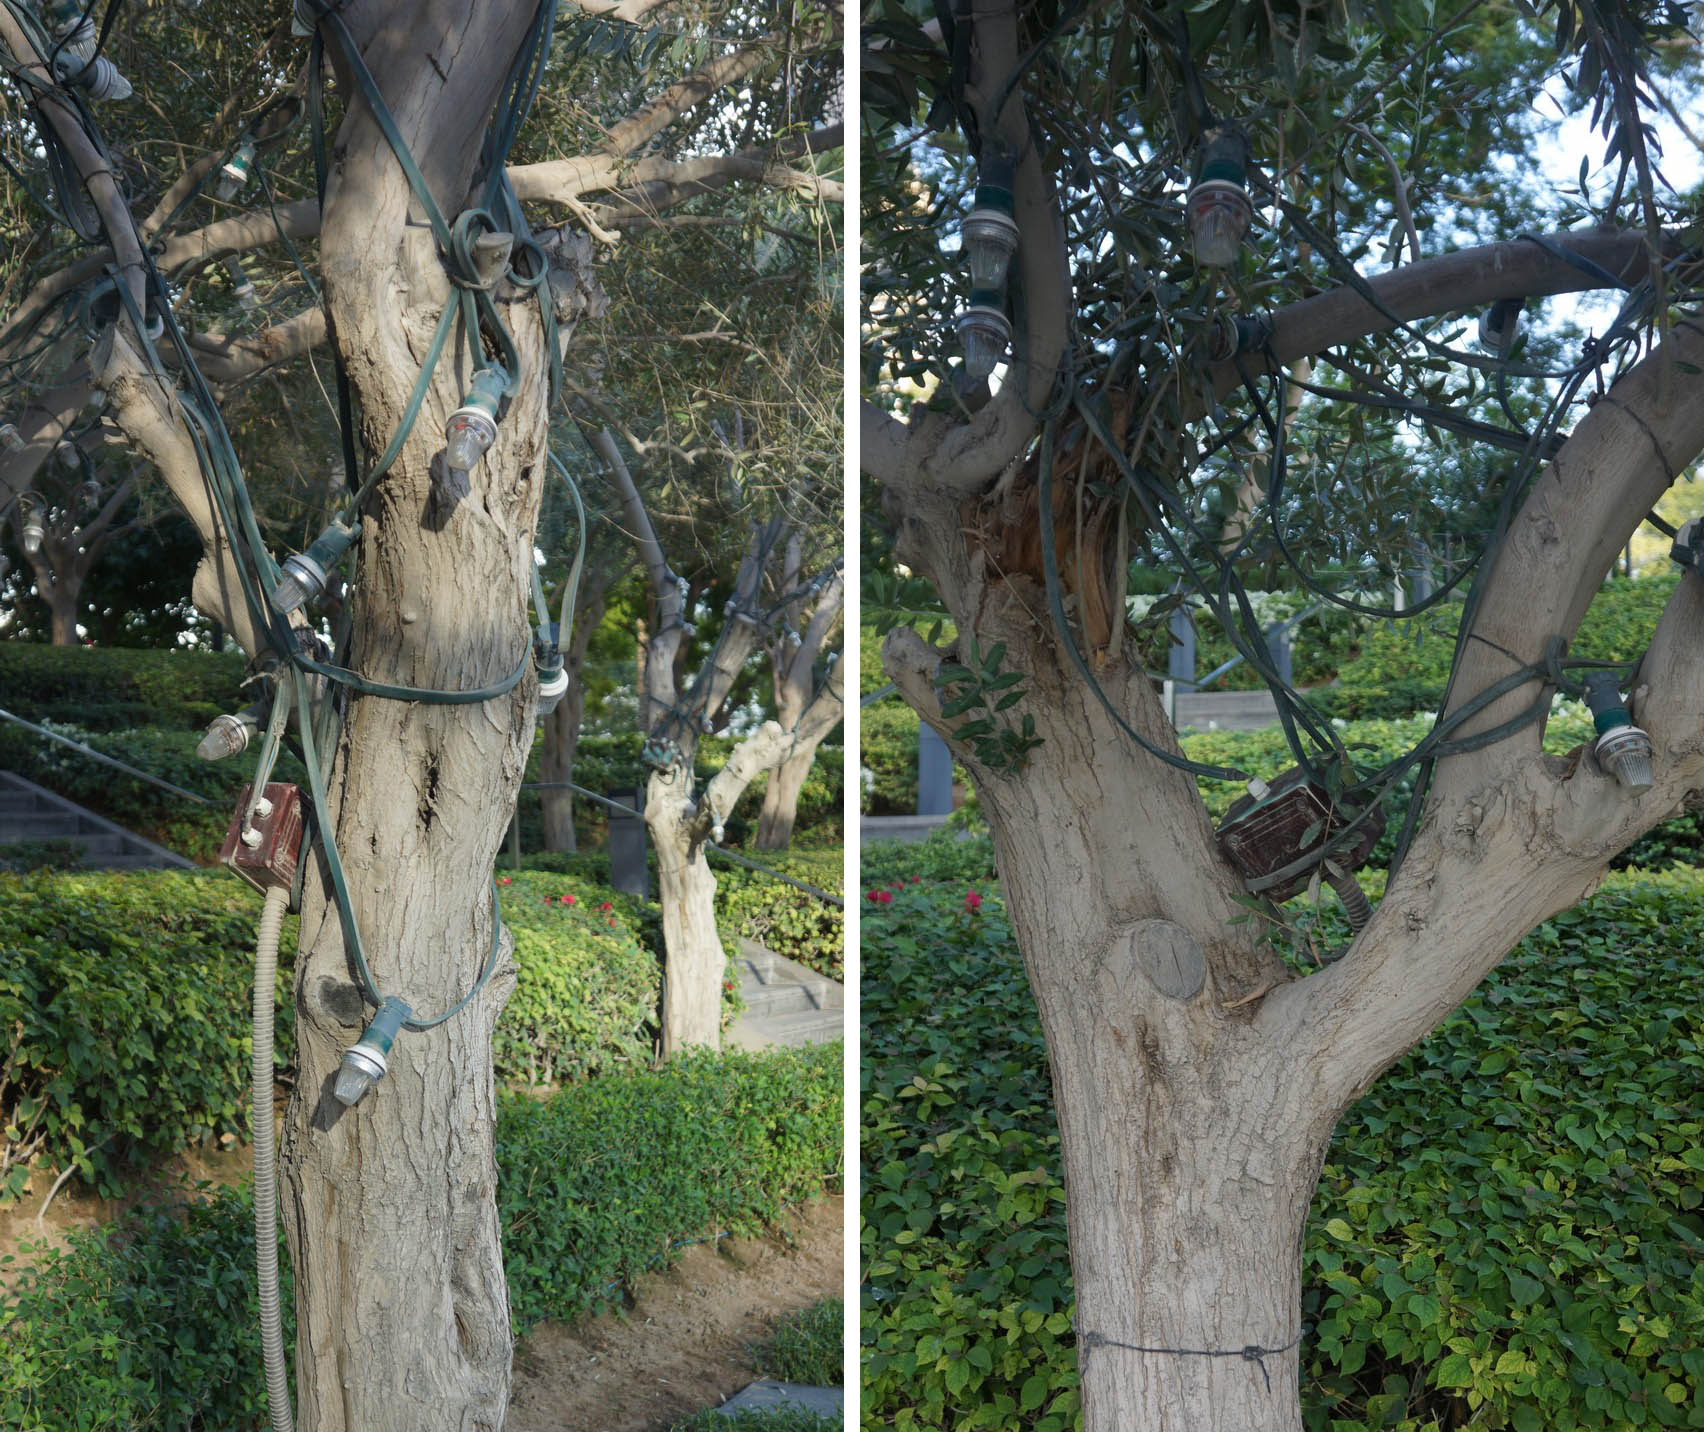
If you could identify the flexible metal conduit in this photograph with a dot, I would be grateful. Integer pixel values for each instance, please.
(265, 1167)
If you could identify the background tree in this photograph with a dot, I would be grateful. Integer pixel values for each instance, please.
(397, 1191)
(1197, 1075)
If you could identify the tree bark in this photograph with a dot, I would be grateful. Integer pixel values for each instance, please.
(781, 798)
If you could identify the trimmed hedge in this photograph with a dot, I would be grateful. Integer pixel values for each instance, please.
(150, 1325)
(589, 989)
(126, 999)
(617, 1170)
(1512, 1219)
(108, 688)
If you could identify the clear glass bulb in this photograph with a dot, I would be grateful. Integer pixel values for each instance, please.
(1219, 216)
(1625, 752)
(990, 240)
(103, 81)
(467, 438)
(11, 438)
(33, 533)
(985, 333)
(353, 1081)
(552, 687)
(227, 735)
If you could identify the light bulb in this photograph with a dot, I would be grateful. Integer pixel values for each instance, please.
(33, 533)
(472, 428)
(103, 81)
(1500, 326)
(73, 33)
(364, 1063)
(1626, 754)
(1217, 207)
(1622, 748)
(552, 687)
(228, 735)
(11, 438)
(990, 234)
(241, 284)
(303, 577)
(985, 332)
(234, 172)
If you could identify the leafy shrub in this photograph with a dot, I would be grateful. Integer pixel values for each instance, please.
(602, 1179)
(787, 1418)
(943, 856)
(126, 999)
(108, 688)
(1513, 1216)
(887, 748)
(149, 1325)
(791, 922)
(588, 990)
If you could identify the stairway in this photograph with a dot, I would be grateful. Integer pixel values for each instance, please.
(28, 812)
(785, 1002)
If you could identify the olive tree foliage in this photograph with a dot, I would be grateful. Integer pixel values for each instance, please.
(1156, 411)
(398, 1191)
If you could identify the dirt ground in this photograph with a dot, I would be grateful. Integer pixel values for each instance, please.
(686, 1341)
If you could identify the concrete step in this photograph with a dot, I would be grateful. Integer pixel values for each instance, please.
(40, 825)
(31, 812)
(776, 999)
(811, 1026)
(1225, 710)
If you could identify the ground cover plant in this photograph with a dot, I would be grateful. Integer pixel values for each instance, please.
(600, 1183)
(805, 1347)
(1509, 1228)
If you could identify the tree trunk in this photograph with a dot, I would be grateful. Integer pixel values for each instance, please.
(556, 767)
(781, 797)
(686, 889)
(402, 1313)
(62, 609)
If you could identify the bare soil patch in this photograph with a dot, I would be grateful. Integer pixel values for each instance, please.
(685, 1341)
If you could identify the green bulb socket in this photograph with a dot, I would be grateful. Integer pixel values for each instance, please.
(1603, 698)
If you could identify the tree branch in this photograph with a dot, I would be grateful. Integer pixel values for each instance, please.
(230, 360)
(1511, 837)
(656, 115)
(757, 753)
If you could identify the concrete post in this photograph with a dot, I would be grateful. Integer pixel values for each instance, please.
(1180, 664)
(627, 846)
(934, 773)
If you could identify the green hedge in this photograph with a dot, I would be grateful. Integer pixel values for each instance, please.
(149, 1326)
(621, 1168)
(126, 1000)
(1515, 1211)
(127, 995)
(589, 990)
(107, 688)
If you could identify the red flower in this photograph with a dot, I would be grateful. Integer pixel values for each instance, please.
(567, 899)
(505, 881)
(916, 879)
(606, 906)
(612, 922)
(972, 901)
(885, 897)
